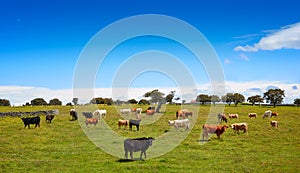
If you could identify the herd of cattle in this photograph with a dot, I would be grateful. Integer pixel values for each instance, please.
(142, 144)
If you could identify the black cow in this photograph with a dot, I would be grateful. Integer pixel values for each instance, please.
(137, 144)
(73, 114)
(49, 118)
(135, 123)
(31, 120)
(87, 114)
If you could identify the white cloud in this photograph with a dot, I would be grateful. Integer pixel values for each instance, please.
(244, 57)
(287, 37)
(227, 61)
(19, 95)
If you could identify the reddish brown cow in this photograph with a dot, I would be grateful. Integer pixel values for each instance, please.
(219, 130)
(275, 114)
(150, 112)
(252, 115)
(91, 121)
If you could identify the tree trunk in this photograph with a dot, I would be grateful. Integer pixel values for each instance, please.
(274, 105)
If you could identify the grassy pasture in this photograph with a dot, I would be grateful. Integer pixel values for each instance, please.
(63, 147)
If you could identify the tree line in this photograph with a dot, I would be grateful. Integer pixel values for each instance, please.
(272, 96)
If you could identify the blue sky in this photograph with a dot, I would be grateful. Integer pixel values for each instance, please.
(40, 41)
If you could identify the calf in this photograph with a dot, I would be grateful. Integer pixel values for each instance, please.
(137, 144)
(49, 118)
(267, 114)
(219, 130)
(252, 115)
(274, 124)
(134, 123)
(150, 112)
(275, 114)
(32, 120)
(240, 126)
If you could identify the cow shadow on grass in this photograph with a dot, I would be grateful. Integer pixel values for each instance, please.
(130, 160)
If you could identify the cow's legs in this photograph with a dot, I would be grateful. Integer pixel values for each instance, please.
(126, 154)
(131, 155)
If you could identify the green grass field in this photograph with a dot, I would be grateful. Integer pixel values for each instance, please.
(63, 146)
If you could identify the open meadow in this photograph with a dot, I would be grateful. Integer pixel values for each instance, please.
(62, 146)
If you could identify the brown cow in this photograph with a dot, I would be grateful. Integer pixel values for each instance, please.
(123, 123)
(252, 115)
(222, 117)
(233, 116)
(150, 112)
(275, 114)
(240, 126)
(219, 130)
(91, 121)
(274, 124)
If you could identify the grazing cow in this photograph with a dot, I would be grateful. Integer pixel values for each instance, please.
(252, 115)
(233, 116)
(135, 123)
(180, 123)
(275, 114)
(31, 120)
(267, 114)
(87, 114)
(150, 112)
(137, 144)
(222, 117)
(274, 124)
(100, 112)
(125, 111)
(240, 126)
(49, 118)
(91, 121)
(73, 114)
(219, 130)
(183, 113)
(123, 123)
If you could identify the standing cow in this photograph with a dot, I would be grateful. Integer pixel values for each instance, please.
(31, 120)
(137, 144)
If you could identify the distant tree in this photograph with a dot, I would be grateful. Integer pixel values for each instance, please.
(38, 102)
(203, 98)
(170, 97)
(55, 102)
(274, 96)
(238, 98)
(4, 102)
(100, 100)
(132, 101)
(255, 99)
(119, 102)
(214, 99)
(143, 102)
(69, 104)
(183, 101)
(156, 96)
(297, 101)
(75, 101)
(228, 98)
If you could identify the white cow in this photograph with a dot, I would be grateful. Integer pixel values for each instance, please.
(180, 123)
(267, 114)
(100, 112)
(139, 110)
(125, 111)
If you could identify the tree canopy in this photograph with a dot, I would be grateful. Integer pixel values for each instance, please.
(255, 99)
(203, 98)
(38, 102)
(4, 102)
(55, 102)
(156, 96)
(274, 96)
